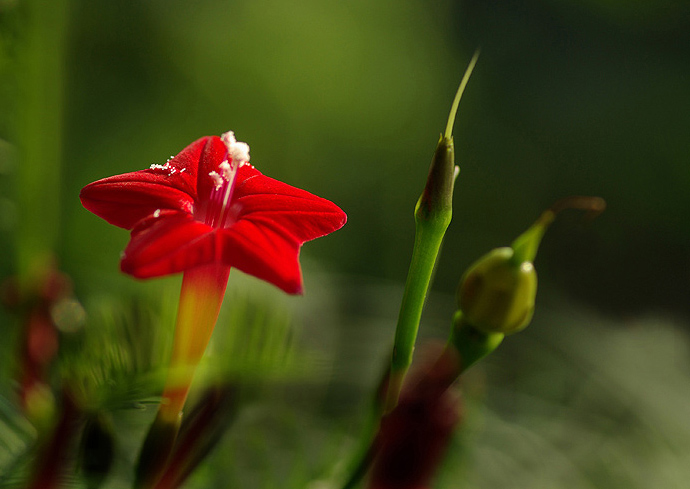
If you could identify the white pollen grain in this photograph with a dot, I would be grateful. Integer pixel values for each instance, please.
(238, 151)
(228, 138)
(217, 179)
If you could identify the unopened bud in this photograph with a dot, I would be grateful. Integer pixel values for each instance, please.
(436, 202)
(496, 294)
(155, 452)
(415, 434)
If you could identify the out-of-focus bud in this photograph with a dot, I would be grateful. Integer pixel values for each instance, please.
(97, 450)
(413, 437)
(50, 455)
(155, 452)
(39, 406)
(40, 339)
(201, 430)
(497, 293)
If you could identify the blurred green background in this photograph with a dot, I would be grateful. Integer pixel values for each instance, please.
(346, 100)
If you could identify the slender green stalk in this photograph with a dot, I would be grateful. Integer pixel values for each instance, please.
(433, 214)
(428, 237)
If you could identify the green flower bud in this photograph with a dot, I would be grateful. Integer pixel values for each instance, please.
(435, 205)
(497, 293)
(436, 202)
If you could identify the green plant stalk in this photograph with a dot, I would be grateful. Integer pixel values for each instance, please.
(433, 214)
(431, 223)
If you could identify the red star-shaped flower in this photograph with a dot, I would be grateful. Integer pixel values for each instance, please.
(202, 212)
(207, 206)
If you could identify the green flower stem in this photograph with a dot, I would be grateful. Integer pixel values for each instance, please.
(433, 214)
(431, 224)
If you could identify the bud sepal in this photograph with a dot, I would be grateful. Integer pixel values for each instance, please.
(471, 343)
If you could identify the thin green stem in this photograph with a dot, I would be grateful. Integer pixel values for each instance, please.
(458, 95)
(432, 217)
(428, 240)
(433, 214)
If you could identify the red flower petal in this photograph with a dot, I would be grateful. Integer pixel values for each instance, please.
(172, 243)
(303, 215)
(123, 200)
(264, 249)
(175, 242)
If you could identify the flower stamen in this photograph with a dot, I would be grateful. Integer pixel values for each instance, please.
(237, 155)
